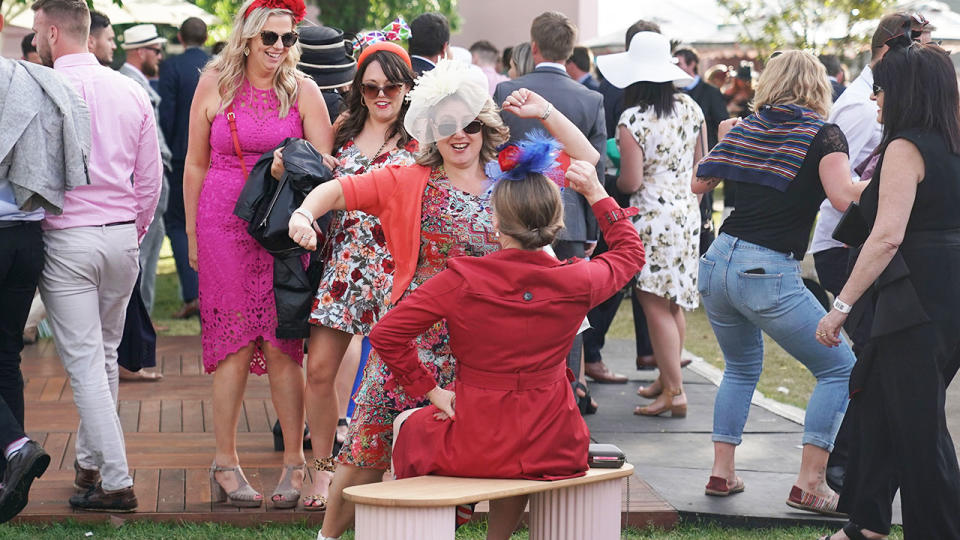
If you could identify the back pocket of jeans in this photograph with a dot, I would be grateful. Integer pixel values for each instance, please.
(759, 292)
(704, 273)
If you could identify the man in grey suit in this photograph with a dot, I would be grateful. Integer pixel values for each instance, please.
(143, 46)
(552, 38)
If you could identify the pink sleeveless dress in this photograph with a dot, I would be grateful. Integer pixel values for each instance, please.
(236, 274)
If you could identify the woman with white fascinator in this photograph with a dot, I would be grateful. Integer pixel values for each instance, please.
(432, 211)
(661, 136)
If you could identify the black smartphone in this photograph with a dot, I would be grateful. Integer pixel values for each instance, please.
(754, 271)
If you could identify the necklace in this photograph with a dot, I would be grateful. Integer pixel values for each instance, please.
(382, 146)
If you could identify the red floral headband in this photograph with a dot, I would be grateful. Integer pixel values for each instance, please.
(298, 8)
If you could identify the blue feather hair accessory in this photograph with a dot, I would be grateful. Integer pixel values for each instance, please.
(537, 153)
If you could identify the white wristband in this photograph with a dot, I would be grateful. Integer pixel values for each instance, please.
(841, 306)
(305, 213)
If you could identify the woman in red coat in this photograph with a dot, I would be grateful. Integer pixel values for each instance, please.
(512, 316)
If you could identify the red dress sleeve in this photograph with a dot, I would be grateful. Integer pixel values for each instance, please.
(372, 191)
(393, 337)
(612, 270)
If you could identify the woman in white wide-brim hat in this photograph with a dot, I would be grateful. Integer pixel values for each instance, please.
(661, 135)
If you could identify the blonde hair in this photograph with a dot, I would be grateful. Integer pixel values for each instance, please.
(495, 133)
(231, 63)
(529, 210)
(794, 78)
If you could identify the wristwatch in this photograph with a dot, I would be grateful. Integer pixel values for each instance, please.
(841, 306)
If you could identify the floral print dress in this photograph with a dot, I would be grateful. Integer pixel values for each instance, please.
(354, 290)
(669, 218)
(454, 223)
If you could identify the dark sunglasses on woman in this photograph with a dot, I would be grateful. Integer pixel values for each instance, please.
(448, 128)
(270, 37)
(372, 91)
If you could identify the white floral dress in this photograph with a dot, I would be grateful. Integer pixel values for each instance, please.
(669, 218)
(354, 291)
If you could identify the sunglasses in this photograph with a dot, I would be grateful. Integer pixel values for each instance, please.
(877, 89)
(372, 91)
(446, 128)
(269, 37)
(156, 50)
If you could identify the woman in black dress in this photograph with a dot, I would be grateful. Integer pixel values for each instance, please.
(905, 282)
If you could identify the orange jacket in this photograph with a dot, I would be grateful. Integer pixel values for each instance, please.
(395, 195)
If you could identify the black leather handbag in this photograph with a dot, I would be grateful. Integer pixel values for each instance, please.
(267, 204)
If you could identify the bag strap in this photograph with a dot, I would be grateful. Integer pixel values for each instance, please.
(232, 119)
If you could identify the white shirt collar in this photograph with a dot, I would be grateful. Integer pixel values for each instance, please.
(556, 65)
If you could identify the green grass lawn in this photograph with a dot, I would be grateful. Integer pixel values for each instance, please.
(474, 531)
(167, 300)
(779, 368)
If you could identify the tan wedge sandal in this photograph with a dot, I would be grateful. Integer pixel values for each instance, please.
(318, 503)
(242, 497)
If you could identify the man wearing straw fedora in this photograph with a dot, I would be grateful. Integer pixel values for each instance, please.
(324, 58)
(144, 48)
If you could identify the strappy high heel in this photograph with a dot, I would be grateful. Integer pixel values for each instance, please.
(242, 497)
(285, 495)
(676, 411)
(317, 503)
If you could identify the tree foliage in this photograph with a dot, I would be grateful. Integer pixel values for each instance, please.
(356, 15)
(351, 16)
(768, 25)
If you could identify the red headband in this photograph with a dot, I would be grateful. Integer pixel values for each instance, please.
(388, 47)
(298, 8)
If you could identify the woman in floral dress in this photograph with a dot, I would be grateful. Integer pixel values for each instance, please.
(661, 136)
(355, 287)
(430, 212)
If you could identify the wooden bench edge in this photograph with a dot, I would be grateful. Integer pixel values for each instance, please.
(371, 494)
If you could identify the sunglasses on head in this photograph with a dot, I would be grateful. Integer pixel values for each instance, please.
(269, 37)
(910, 32)
(372, 91)
(450, 127)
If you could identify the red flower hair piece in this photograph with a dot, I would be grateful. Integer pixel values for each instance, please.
(298, 8)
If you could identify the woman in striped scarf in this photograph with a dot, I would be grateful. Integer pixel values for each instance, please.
(785, 160)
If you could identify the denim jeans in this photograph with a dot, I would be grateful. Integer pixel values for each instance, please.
(747, 289)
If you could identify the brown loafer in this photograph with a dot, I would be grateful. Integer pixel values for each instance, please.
(96, 499)
(649, 362)
(187, 310)
(599, 373)
(143, 375)
(85, 478)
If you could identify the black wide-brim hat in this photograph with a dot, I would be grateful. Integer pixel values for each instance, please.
(324, 57)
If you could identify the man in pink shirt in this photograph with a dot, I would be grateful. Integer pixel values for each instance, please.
(92, 249)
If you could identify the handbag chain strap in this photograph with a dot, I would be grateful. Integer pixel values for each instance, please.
(232, 119)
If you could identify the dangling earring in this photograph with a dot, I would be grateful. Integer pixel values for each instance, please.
(246, 51)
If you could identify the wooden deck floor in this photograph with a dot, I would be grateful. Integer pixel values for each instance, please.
(168, 428)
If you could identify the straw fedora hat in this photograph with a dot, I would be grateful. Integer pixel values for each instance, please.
(141, 35)
(647, 60)
(323, 56)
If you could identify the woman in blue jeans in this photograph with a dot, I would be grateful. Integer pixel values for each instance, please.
(785, 160)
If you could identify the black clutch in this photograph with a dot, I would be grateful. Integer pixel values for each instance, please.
(852, 229)
(605, 456)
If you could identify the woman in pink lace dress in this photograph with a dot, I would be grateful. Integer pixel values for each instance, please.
(254, 80)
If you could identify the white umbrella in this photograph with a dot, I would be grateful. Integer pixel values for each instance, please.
(172, 12)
